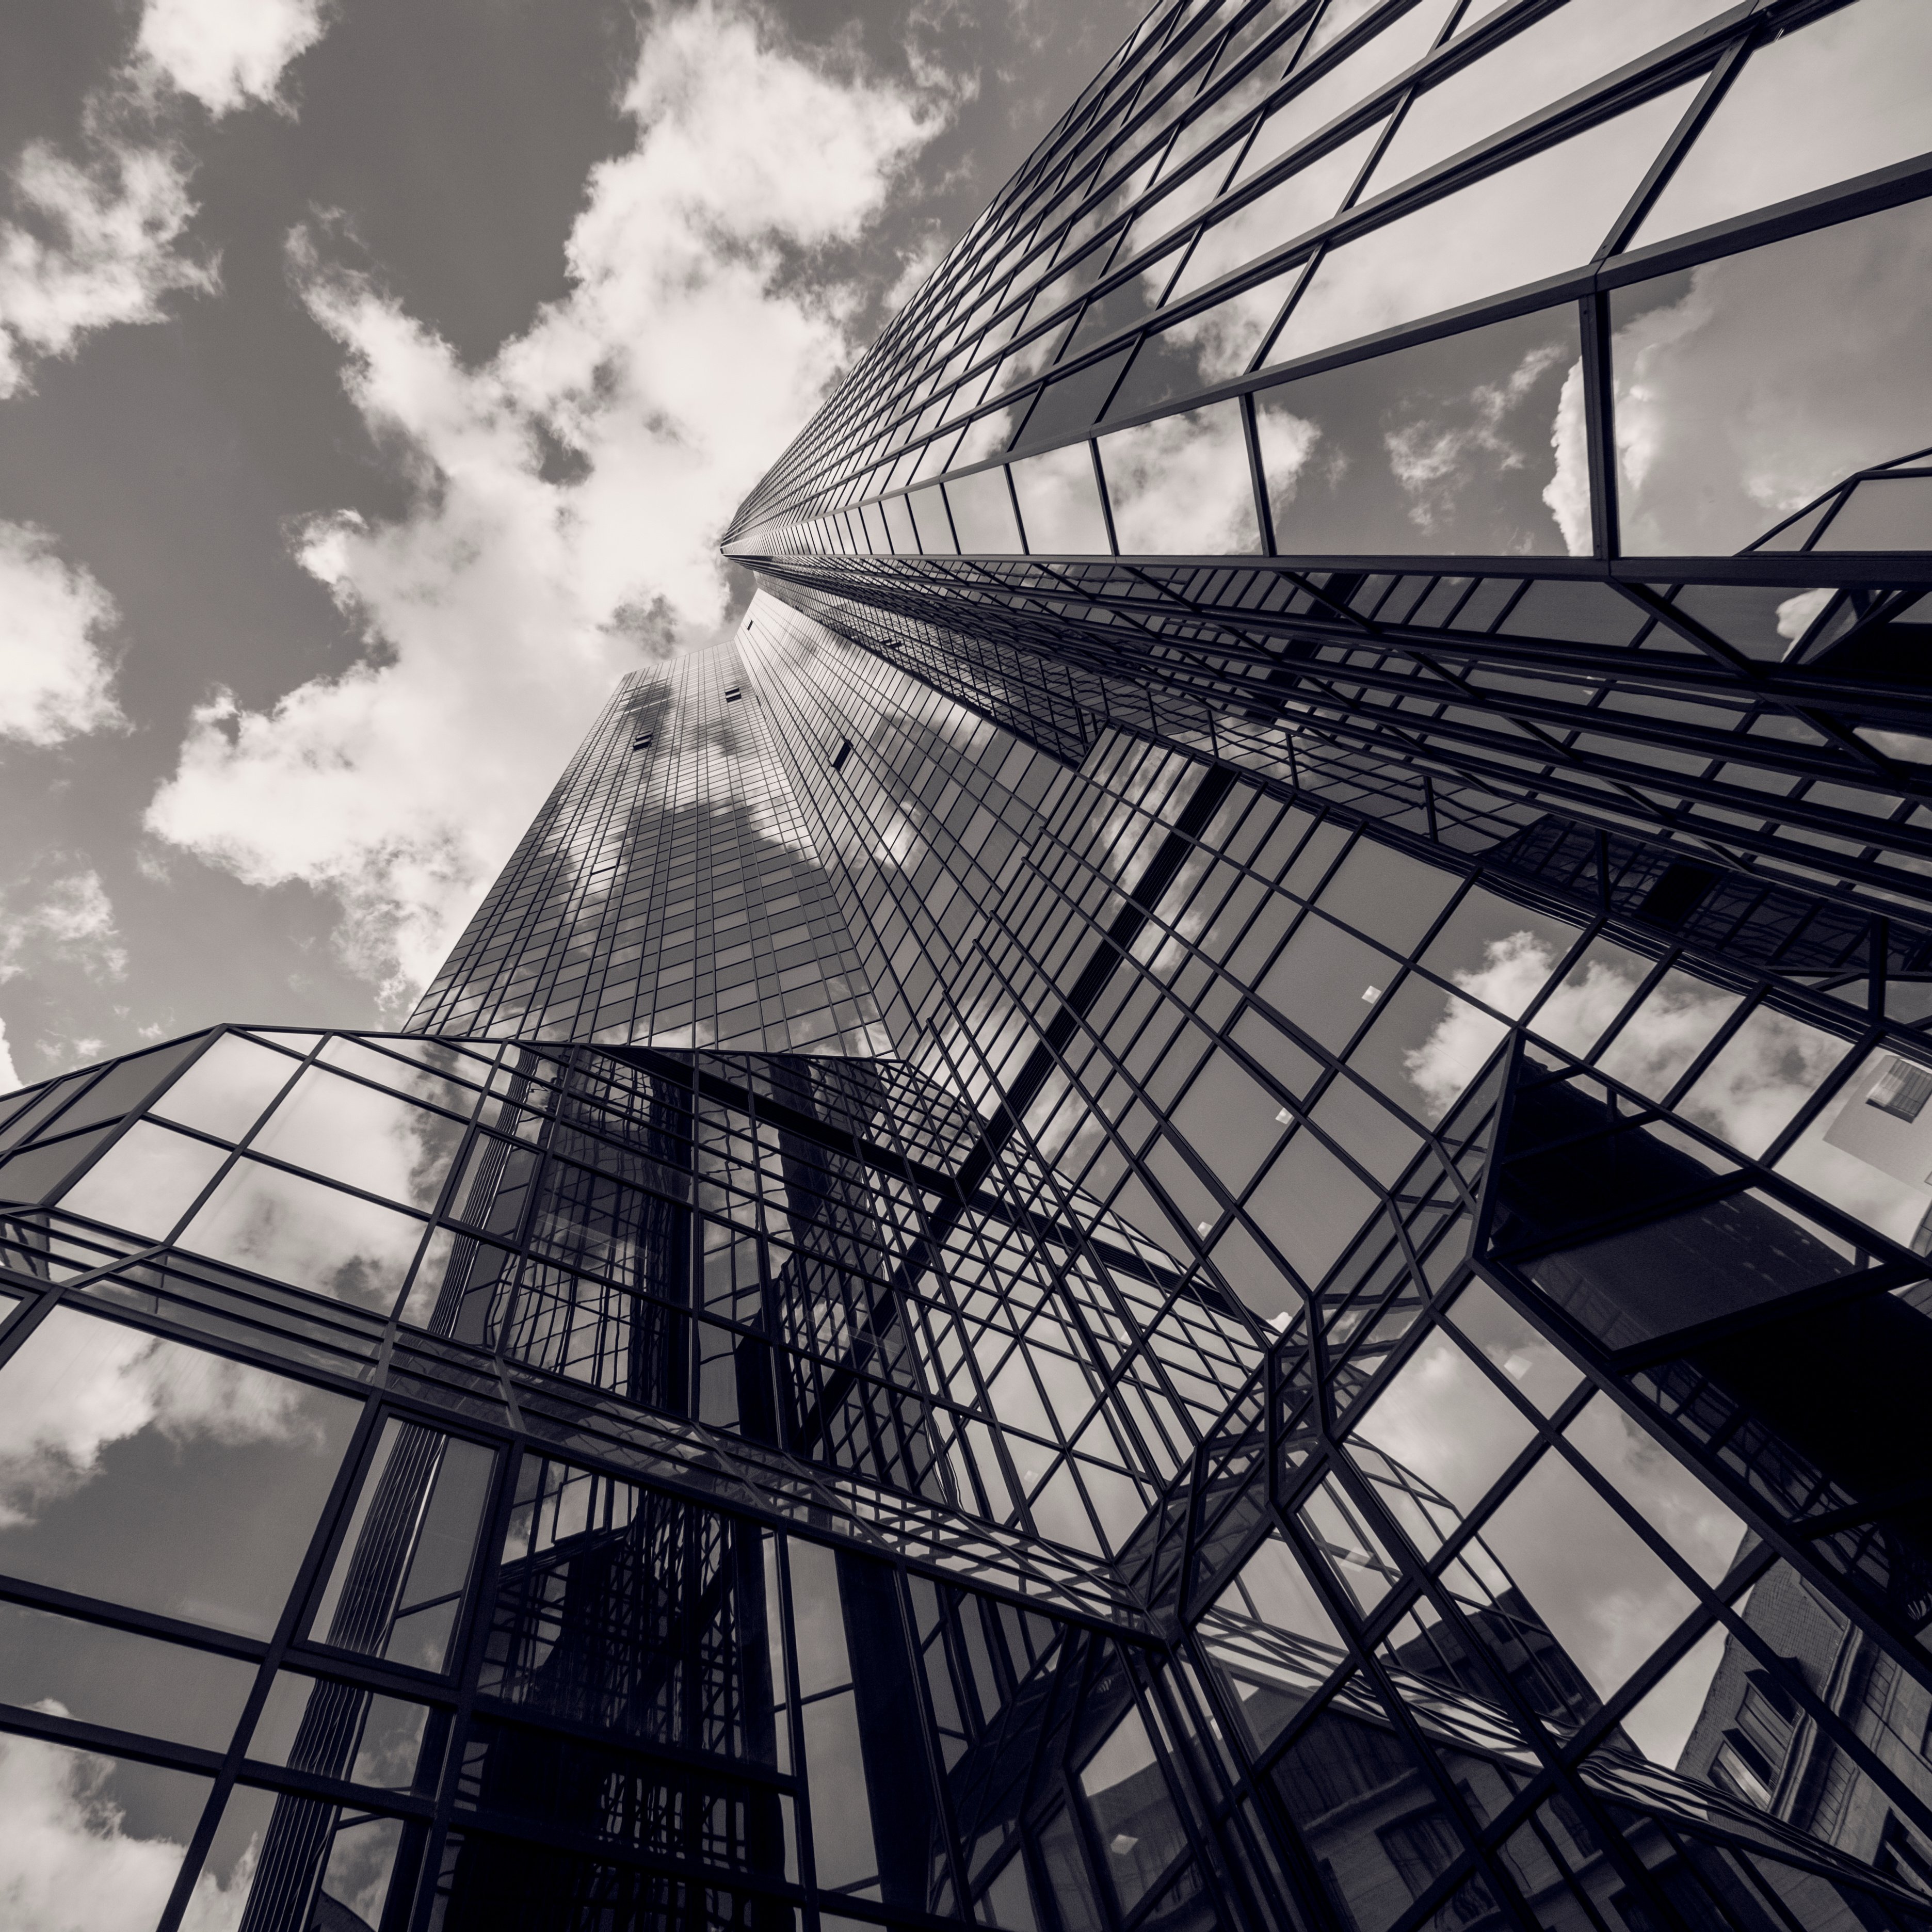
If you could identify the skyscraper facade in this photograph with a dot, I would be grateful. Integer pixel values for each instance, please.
(1112, 1229)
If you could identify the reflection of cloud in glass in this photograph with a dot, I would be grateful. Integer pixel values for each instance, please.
(67, 1857)
(298, 1231)
(1759, 1079)
(1443, 1420)
(1746, 386)
(1659, 1041)
(1564, 50)
(1515, 969)
(1211, 347)
(1428, 459)
(1221, 339)
(1308, 196)
(224, 1092)
(1384, 55)
(1762, 1075)
(1537, 218)
(1060, 504)
(354, 1133)
(1464, 444)
(144, 1182)
(1836, 98)
(1181, 485)
(1605, 1595)
(1705, 1532)
(80, 1384)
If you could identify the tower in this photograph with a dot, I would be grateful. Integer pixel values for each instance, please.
(1199, 1198)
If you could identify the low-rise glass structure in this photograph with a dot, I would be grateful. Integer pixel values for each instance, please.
(1111, 1231)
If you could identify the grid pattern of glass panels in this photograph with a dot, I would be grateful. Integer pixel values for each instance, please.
(665, 894)
(828, 1257)
(1428, 334)
(1141, 1226)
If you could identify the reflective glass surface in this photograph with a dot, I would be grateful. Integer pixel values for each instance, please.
(1199, 1199)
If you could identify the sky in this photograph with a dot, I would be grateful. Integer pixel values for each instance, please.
(376, 376)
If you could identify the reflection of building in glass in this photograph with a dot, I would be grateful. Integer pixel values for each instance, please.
(1191, 1202)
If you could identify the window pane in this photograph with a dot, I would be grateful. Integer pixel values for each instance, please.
(1563, 51)
(343, 1131)
(92, 1840)
(1181, 485)
(1537, 218)
(296, 1231)
(1840, 97)
(1400, 44)
(1059, 503)
(1213, 347)
(983, 512)
(224, 1092)
(154, 1474)
(1604, 1595)
(115, 1678)
(1473, 443)
(1445, 1428)
(397, 1585)
(146, 1181)
(1747, 386)
(1307, 198)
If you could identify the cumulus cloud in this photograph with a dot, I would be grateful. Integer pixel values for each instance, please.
(92, 242)
(1567, 492)
(1181, 484)
(81, 1384)
(98, 243)
(56, 678)
(1515, 969)
(499, 611)
(9, 1077)
(1767, 1069)
(67, 923)
(67, 1862)
(1433, 461)
(229, 53)
(1750, 386)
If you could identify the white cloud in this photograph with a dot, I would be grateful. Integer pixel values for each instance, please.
(1568, 492)
(82, 1385)
(56, 679)
(1763, 1074)
(501, 609)
(916, 266)
(1515, 969)
(101, 240)
(228, 53)
(69, 922)
(67, 1862)
(1761, 384)
(9, 1077)
(1433, 462)
(1796, 614)
(100, 245)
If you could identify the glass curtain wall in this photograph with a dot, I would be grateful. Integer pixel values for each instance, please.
(1524, 397)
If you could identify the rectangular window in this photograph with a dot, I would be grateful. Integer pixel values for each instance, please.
(1902, 1090)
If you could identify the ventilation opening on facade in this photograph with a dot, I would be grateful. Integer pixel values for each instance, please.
(642, 744)
(843, 752)
(1676, 895)
(732, 694)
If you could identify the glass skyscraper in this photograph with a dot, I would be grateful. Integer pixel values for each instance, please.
(1200, 1199)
